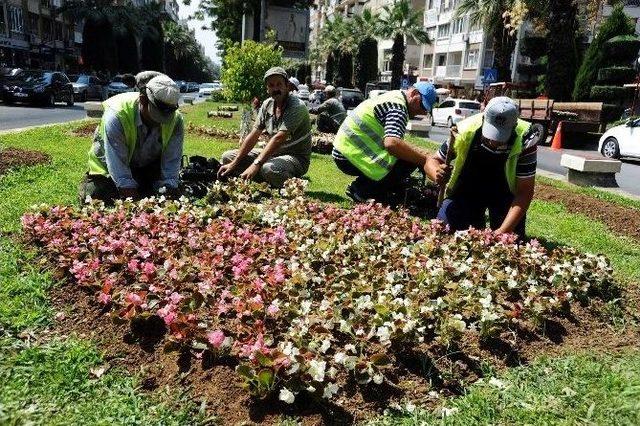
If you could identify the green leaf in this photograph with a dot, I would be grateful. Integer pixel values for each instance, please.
(264, 360)
(266, 378)
(245, 371)
(380, 359)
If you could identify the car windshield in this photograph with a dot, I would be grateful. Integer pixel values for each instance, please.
(35, 77)
(83, 79)
(350, 94)
(208, 85)
(469, 105)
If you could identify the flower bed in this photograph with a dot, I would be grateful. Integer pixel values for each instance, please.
(307, 297)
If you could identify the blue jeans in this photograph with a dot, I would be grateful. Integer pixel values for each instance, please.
(460, 212)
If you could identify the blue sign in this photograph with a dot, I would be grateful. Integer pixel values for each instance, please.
(405, 83)
(490, 75)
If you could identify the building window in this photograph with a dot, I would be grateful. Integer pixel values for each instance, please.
(3, 21)
(457, 26)
(442, 59)
(427, 61)
(431, 32)
(488, 59)
(386, 61)
(443, 31)
(16, 24)
(472, 58)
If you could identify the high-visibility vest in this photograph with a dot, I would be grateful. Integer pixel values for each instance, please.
(125, 106)
(361, 137)
(467, 130)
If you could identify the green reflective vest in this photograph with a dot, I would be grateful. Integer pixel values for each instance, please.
(125, 106)
(361, 137)
(467, 130)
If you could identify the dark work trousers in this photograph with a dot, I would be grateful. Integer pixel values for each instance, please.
(380, 190)
(326, 124)
(482, 186)
(103, 188)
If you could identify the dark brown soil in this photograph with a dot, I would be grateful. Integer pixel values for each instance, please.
(11, 158)
(86, 129)
(621, 220)
(140, 349)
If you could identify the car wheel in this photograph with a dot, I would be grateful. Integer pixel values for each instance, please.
(52, 100)
(432, 123)
(610, 148)
(540, 132)
(70, 101)
(449, 122)
(83, 98)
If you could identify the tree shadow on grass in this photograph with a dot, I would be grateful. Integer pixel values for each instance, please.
(327, 197)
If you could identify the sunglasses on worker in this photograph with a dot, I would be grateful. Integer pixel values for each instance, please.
(161, 106)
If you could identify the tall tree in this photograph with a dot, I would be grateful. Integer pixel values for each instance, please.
(401, 22)
(489, 14)
(337, 42)
(366, 27)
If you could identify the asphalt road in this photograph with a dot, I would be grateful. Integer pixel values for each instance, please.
(17, 116)
(549, 160)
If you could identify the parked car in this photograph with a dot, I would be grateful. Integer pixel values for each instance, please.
(35, 86)
(451, 111)
(317, 97)
(621, 141)
(350, 98)
(303, 92)
(182, 85)
(192, 86)
(206, 89)
(88, 87)
(117, 86)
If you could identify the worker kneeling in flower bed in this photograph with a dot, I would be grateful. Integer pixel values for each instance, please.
(370, 144)
(137, 147)
(288, 153)
(494, 168)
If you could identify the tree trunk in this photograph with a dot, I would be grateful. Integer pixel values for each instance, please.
(366, 63)
(345, 70)
(397, 61)
(330, 68)
(503, 45)
(562, 51)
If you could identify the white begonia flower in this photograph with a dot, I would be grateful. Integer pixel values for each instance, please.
(396, 289)
(330, 390)
(447, 412)
(293, 368)
(339, 357)
(383, 334)
(390, 277)
(325, 304)
(344, 326)
(497, 383)
(378, 379)
(331, 372)
(305, 306)
(486, 301)
(311, 389)
(287, 396)
(350, 348)
(511, 283)
(410, 407)
(316, 370)
(405, 251)
(326, 344)
(350, 362)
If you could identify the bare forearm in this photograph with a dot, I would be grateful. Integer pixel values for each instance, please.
(405, 151)
(272, 146)
(516, 212)
(247, 144)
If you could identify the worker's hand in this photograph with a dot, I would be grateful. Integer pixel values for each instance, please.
(129, 193)
(226, 169)
(250, 172)
(442, 174)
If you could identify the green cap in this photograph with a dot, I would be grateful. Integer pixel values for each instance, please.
(276, 71)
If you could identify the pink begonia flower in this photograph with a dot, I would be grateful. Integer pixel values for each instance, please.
(148, 268)
(168, 314)
(104, 298)
(216, 338)
(273, 309)
(175, 298)
(258, 284)
(133, 265)
(134, 299)
(173, 274)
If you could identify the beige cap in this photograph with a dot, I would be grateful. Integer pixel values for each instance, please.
(163, 94)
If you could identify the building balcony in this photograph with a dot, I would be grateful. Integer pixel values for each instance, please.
(453, 71)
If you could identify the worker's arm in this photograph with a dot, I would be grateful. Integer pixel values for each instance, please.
(116, 155)
(272, 146)
(437, 170)
(405, 151)
(247, 145)
(320, 108)
(525, 188)
(171, 158)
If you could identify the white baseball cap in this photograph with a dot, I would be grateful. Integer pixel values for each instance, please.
(295, 82)
(500, 118)
(163, 94)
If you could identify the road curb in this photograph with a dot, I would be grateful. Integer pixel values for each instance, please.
(615, 191)
(38, 126)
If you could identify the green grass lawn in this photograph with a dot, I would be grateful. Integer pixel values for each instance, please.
(46, 381)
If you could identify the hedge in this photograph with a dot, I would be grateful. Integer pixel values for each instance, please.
(616, 75)
(623, 48)
(609, 93)
(611, 113)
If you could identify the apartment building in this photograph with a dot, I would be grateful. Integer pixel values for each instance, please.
(458, 52)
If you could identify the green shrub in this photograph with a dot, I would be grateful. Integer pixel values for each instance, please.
(609, 93)
(616, 75)
(617, 24)
(244, 68)
(623, 48)
(217, 96)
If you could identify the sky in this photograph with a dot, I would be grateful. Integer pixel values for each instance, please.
(206, 38)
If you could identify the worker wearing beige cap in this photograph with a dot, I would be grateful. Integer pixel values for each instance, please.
(137, 148)
(285, 119)
(331, 112)
(494, 169)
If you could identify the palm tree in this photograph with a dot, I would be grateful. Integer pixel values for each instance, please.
(400, 22)
(366, 28)
(337, 41)
(489, 14)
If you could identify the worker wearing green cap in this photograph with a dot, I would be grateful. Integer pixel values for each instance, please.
(285, 118)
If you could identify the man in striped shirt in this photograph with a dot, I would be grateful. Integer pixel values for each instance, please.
(370, 143)
(494, 169)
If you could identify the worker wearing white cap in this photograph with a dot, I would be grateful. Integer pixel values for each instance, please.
(331, 112)
(137, 147)
(494, 167)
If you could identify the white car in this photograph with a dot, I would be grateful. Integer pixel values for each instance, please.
(621, 141)
(303, 92)
(451, 111)
(376, 93)
(206, 89)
